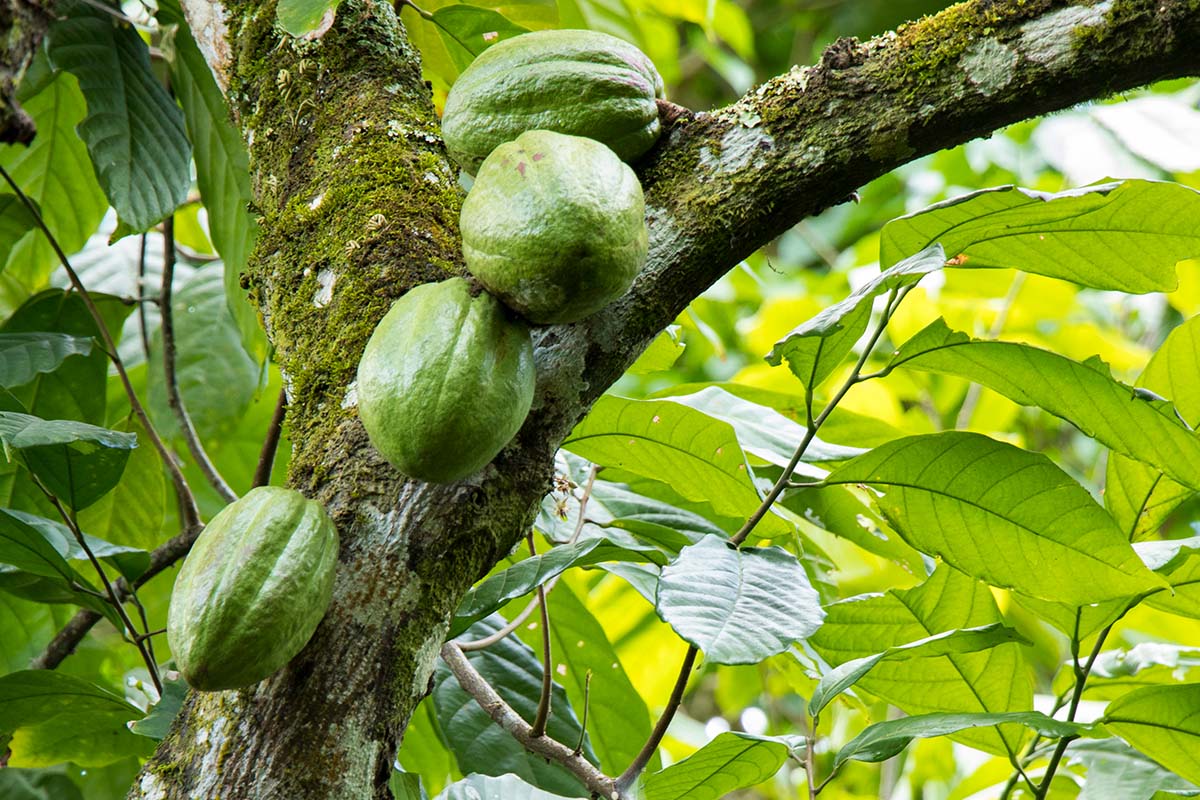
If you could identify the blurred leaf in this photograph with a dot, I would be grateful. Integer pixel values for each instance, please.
(24, 355)
(1003, 515)
(1117, 772)
(964, 640)
(697, 455)
(504, 787)
(738, 606)
(306, 18)
(1164, 723)
(1161, 130)
(133, 130)
(731, 761)
(662, 353)
(815, 348)
(158, 720)
(15, 222)
(37, 784)
(1108, 236)
(133, 513)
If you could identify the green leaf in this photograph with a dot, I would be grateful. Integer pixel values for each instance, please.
(36, 784)
(405, 786)
(994, 680)
(1108, 236)
(129, 561)
(883, 740)
(56, 717)
(525, 576)
(132, 514)
(24, 355)
(815, 349)
(739, 606)
(731, 761)
(1003, 515)
(1086, 395)
(661, 355)
(1178, 560)
(469, 30)
(964, 640)
(77, 462)
(504, 787)
(133, 130)
(222, 169)
(25, 548)
(1116, 771)
(15, 222)
(479, 744)
(308, 19)
(1164, 723)
(613, 506)
(158, 721)
(423, 752)
(54, 166)
(846, 512)
(697, 455)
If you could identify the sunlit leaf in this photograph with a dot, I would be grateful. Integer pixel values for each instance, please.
(731, 761)
(1164, 723)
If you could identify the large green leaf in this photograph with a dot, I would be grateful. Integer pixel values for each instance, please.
(79, 463)
(55, 717)
(1109, 236)
(698, 456)
(129, 561)
(54, 166)
(994, 680)
(846, 511)
(1085, 394)
(23, 546)
(222, 168)
(480, 745)
(469, 30)
(739, 606)
(731, 761)
(815, 348)
(24, 355)
(965, 640)
(134, 130)
(883, 740)
(1164, 723)
(613, 506)
(503, 787)
(132, 514)
(15, 222)
(1003, 515)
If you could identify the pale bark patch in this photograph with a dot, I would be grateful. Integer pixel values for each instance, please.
(1048, 40)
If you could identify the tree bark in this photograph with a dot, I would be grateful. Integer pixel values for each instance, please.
(22, 26)
(358, 203)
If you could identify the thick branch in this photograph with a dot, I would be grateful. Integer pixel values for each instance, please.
(22, 25)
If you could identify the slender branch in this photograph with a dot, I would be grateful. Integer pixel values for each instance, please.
(188, 511)
(266, 457)
(503, 715)
(543, 709)
(171, 379)
(587, 702)
(810, 767)
(143, 327)
(643, 757)
(583, 503)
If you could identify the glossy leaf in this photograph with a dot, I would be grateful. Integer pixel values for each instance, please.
(1003, 515)
(79, 463)
(739, 606)
(814, 349)
(1108, 236)
(24, 355)
(731, 761)
(134, 130)
(1164, 723)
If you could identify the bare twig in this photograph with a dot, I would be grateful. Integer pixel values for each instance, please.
(266, 457)
(643, 757)
(543, 709)
(189, 513)
(503, 715)
(170, 379)
(143, 327)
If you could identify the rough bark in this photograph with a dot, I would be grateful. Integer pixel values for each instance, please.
(358, 203)
(22, 25)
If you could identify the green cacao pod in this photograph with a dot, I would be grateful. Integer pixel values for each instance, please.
(554, 226)
(584, 83)
(445, 381)
(252, 590)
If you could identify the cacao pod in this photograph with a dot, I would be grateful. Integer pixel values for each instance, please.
(554, 226)
(445, 381)
(584, 83)
(253, 589)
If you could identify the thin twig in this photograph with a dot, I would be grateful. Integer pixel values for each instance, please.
(171, 379)
(543, 708)
(587, 702)
(503, 715)
(189, 513)
(143, 327)
(631, 773)
(266, 457)
(810, 768)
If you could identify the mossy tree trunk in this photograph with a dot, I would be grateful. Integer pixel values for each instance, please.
(357, 203)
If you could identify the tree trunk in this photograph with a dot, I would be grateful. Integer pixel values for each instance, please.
(357, 203)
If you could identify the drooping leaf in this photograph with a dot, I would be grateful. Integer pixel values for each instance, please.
(995, 680)
(129, 561)
(503, 787)
(1108, 236)
(964, 640)
(883, 740)
(731, 761)
(306, 18)
(739, 606)
(79, 463)
(24, 355)
(23, 547)
(158, 720)
(697, 455)
(1084, 394)
(478, 744)
(815, 348)
(1003, 515)
(134, 130)
(1164, 723)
